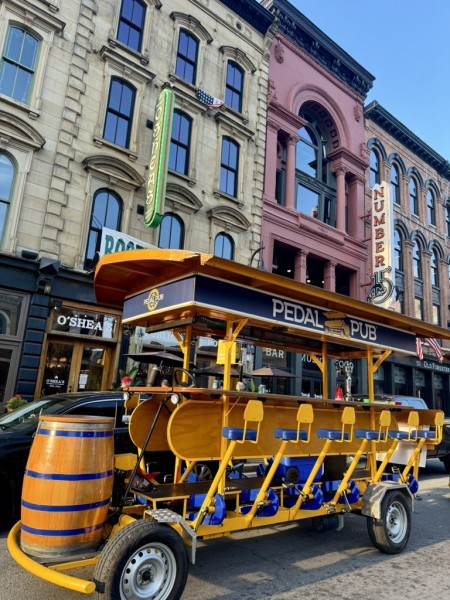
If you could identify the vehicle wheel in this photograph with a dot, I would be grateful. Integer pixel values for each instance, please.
(446, 463)
(390, 534)
(144, 561)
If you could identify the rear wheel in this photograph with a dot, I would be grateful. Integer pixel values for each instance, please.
(391, 532)
(144, 561)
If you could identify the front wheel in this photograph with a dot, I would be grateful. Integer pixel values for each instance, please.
(390, 534)
(144, 561)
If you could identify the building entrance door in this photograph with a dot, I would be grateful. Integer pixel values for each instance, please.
(74, 366)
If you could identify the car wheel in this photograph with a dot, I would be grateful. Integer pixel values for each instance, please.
(144, 561)
(391, 532)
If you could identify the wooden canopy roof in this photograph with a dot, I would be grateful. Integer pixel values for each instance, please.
(119, 276)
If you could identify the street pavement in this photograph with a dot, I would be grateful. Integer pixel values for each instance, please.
(295, 562)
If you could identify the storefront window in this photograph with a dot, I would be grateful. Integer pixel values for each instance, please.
(12, 321)
(78, 322)
(401, 386)
(57, 368)
(10, 308)
(439, 392)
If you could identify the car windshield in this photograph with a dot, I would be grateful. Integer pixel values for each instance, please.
(30, 413)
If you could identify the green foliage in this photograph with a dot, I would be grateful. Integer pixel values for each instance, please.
(15, 402)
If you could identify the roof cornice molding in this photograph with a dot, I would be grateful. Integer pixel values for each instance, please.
(379, 115)
(253, 12)
(292, 23)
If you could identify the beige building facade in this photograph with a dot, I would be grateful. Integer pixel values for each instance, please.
(79, 82)
(419, 182)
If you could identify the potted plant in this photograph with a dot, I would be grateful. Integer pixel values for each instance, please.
(15, 402)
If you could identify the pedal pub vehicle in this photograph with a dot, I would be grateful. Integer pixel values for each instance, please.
(315, 458)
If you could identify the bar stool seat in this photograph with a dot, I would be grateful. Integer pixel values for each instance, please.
(288, 435)
(237, 434)
(367, 434)
(399, 435)
(427, 435)
(332, 434)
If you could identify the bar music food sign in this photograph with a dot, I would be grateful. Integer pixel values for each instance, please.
(382, 291)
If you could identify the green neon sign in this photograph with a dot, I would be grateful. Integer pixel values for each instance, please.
(157, 171)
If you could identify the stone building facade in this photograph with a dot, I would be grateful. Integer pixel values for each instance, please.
(419, 181)
(79, 82)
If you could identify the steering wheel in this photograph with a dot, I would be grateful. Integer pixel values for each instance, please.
(177, 378)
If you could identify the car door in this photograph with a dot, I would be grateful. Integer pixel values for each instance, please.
(108, 407)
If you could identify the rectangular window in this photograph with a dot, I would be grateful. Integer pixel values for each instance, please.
(18, 64)
(234, 87)
(131, 24)
(418, 308)
(186, 66)
(436, 314)
(308, 202)
(229, 167)
(119, 114)
(180, 143)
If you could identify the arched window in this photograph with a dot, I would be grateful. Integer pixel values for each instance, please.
(131, 24)
(119, 113)
(417, 261)
(5, 323)
(7, 173)
(106, 212)
(224, 246)
(398, 251)
(374, 169)
(171, 232)
(395, 184)
(180, 143)
(187, 54)
(234, 88)
(431, 207)
(229, 167)
(316, 183)
(434, 264)
(18, 63)
(413, 196)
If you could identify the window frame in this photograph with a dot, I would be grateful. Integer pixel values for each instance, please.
(186, 59)
(8, 202)
(418, 261)
(434, 269)
(98, 230)
(131, 25)
(413, 198)
(18, 65)
(180, 221)
(395, 185)
(179, 144)
(233, 90)
(431, 208)
(323, 183)
(228, 237)
(118, 114)
(377, 172)
(398, 251)
(229, 169)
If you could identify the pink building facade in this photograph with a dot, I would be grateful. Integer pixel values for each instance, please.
(316, 158)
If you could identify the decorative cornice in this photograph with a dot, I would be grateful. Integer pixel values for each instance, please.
(278, 114)
(229, 217)
(345, 154)
(236, 128)
(13, 127)
(128, 63)
(181, 198)
(239, 56)
(114, 168)
(379, 115)
(316, 43)
(252, 12)
(44, 17)
(193, 24)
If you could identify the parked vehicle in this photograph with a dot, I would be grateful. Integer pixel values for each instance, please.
(17, 431)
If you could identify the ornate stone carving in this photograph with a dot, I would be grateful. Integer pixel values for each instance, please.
(363, 151)
(358, 112)
(278, 52)
(271, 91)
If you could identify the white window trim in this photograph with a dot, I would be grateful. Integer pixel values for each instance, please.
(237, 56)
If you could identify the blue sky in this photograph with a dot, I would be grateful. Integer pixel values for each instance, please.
(405, 44)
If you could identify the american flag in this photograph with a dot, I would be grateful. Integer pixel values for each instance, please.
(436, 348)
(210, 101)
(419, 347)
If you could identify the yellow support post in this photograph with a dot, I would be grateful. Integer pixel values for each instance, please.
(184, 341)
(310, 481)
(322, 364)
(413, 461)
(379, 474)
(265, 486)
(345, 480)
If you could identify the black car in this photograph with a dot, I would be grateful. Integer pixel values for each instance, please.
(17, 431)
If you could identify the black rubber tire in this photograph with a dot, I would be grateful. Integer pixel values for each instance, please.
(119, 548)
(377, 528)
(446, 462)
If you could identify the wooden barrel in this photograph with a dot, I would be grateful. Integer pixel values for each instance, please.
(67, 485)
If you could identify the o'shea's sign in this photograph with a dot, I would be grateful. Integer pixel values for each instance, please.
(157, 171)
